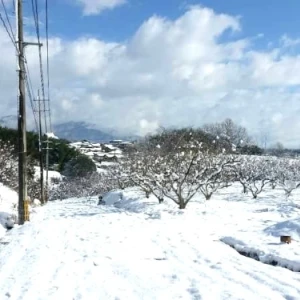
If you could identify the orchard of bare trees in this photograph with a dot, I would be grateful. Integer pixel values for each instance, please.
(179, 164)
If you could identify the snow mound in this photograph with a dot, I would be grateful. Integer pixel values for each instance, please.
(133, 200)
(290, 227)
(8, 199)
(113, 197)
(8, 208)
(51, 135)
(7, 220)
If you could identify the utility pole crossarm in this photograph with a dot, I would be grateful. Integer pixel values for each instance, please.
(32, 44)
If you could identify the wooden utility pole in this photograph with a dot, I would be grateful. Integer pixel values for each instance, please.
(47, 169)
(22, 138)
(41, 151)
(22, 143)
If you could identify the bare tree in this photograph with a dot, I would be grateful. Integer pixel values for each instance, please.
(8, 166)
(221, 181)
(182, 175)
(137, 170)
(176, 165)
(288, 175)
(277, 149)
(236, 134)
(119, 174)
(273, 171)
(252, 173)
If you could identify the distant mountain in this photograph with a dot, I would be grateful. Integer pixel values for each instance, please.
(9, 122)
(74, 131)
(77, 131)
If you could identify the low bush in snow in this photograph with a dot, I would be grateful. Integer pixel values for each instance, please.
(91, 185)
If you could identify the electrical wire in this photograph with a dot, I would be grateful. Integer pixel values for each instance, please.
(7, 18)
(7, 30)
(35, 11)
(48, 71)
(30, 93)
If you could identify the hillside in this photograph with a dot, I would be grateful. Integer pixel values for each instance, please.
(60, 150)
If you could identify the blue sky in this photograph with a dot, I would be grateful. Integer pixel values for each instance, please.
(271, 17)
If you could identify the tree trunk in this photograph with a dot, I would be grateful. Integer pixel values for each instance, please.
(160, 200)
(207, 197)
(147, 195)
(244, 189)
(182, 204)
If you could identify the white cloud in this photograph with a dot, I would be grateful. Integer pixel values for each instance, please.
(289, 42)
(182, 72)
(95, 7)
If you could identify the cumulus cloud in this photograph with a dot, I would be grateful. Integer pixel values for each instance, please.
(183, 72)
(95, 7)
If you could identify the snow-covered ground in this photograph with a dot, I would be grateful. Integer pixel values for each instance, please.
(134, 248)
(8, 207)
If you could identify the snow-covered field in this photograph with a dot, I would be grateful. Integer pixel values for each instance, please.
(134, 248)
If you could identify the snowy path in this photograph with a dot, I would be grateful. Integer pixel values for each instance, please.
(75, 250)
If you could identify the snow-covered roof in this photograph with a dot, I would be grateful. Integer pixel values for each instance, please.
(51, 135)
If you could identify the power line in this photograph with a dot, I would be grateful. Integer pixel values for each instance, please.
(27, 74)
(41, 149)
(7, 18)
(49, 110)
(30, 93)
(35, 11)
(10, 33)
(31, 102)
(48, 72)
(7, 30)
